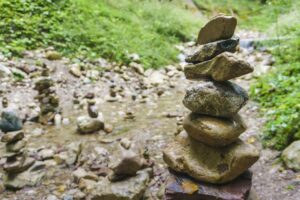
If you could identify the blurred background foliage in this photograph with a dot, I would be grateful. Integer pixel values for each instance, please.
(113, 29)
(91, 28)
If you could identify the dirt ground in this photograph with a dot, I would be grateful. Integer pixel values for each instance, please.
(157, 108)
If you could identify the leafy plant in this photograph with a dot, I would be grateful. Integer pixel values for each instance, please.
(279, 94)
(92, 28)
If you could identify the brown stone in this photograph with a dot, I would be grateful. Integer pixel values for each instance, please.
(213, 131)
(210, 50)
(179, 188)
(218, 28)
(209, 164)
(19, 165)
(12, 137)
(224, 67)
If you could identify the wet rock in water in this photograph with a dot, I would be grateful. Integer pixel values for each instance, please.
(53, 55)
(215, 99)
(131, 188)
(218, 28)
(209, 164)
(10, 122)
(224, 67)
(29, 178)
(213, 131)
(89, 125)
(128, 165)
(291, 156)
(210, 50)
(12, 137)
(16, 146)
(181, 187)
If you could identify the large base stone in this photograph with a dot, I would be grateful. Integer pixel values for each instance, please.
(180, 186)
(216, 165)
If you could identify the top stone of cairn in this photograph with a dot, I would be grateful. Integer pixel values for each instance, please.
(218, 28)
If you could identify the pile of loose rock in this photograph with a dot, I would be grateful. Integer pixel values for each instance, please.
(16, 159)
(47, 97)
(209, 150)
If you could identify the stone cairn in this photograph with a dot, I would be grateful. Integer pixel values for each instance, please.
(209, 150)
(49, 101)
(16, 159)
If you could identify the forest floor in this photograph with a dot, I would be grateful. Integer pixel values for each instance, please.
(155, 99)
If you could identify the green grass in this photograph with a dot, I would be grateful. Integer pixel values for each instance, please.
(92, 28)
(278, 92)
(251, 14)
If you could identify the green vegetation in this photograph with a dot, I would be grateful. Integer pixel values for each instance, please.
(279, 91)
(252, 14)
(92, 28)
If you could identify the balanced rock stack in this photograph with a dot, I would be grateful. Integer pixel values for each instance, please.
(49, 101)
(209, 150)
(16, 160)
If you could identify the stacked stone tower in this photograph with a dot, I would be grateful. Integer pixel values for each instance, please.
(47, 97)
(17, 161)
(209, 150)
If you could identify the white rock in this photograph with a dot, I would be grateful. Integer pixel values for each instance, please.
(66, 121)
